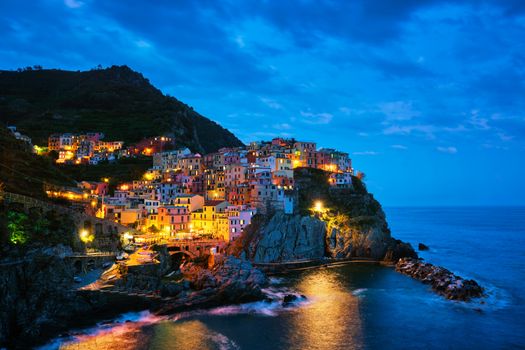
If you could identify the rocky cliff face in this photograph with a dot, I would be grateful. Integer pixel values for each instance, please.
(36, 295)
(288, 238)
(352, 225)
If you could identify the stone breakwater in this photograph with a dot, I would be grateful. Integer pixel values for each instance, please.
(443, 281)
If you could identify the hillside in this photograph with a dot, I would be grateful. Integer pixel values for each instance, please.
(117, 101)
(24, 172)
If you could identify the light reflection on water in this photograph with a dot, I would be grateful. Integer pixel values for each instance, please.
(329, 319)
(190, 334)
(332, 320)
(365, 306)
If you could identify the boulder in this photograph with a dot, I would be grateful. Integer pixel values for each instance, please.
(422, 247)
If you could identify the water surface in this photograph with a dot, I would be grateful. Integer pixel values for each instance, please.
(364, 306)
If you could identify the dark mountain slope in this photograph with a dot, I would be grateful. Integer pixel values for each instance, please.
(117, 101)
(25, 173)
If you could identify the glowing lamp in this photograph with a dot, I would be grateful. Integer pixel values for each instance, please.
(128, 236)
(318, 206)
(85, 236)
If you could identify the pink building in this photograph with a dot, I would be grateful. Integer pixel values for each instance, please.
(174, 218)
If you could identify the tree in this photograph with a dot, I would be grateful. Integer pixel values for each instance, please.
(17, 227)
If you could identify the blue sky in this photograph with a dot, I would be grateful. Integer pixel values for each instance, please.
(427, 96)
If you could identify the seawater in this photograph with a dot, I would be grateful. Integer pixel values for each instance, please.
(363, 306)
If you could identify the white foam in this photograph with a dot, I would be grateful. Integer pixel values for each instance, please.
(119, 325)
(276, 280)
(359, 292)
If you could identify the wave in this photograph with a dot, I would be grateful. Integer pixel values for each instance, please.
(359, 292)
(276, 280)
(118, 326)
(272, 306)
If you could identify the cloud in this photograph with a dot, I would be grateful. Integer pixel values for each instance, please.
(142, 44)
(240, 41)
(449, 150)
(427, 130)
(365, 153)
(73, 3)
(282, 126)
(504, 137)
(401, 147)
(271, 103)
(345, 110)
(316, 118)
(398, 110)
(478, 122)
(401, 72)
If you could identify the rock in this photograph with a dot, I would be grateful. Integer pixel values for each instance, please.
(290, 238)
(422, 247)
(353, 226)
(289, 299)
(442, 280)
(37, 295)
(171, 289)
(230, 280)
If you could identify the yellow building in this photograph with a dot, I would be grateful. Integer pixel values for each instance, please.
(206, 220)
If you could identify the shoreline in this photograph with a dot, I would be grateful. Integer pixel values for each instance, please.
(121, 304)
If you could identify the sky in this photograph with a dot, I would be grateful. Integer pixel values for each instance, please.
(426, 96)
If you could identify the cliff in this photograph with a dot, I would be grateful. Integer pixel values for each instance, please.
(352, 224)
(117, 101)
(286, 238)
(36, 295)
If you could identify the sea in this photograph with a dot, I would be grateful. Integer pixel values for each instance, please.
(360, 305)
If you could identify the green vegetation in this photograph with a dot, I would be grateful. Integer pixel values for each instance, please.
(21, 228)
(117, 101)
(313, 186)
(18, 227)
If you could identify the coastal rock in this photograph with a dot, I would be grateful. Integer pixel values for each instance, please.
(443, 281)
(351, 225)
(37, 295)
(229, 281)
(289, 238)
(422, 247)
(233, 280)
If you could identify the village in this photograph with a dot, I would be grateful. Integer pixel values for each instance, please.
(187, 195)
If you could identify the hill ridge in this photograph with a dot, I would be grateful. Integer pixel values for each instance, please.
(116, 100)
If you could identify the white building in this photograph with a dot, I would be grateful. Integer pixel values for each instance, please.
(239, 216)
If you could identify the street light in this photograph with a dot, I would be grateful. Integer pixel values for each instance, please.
(85, 236)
